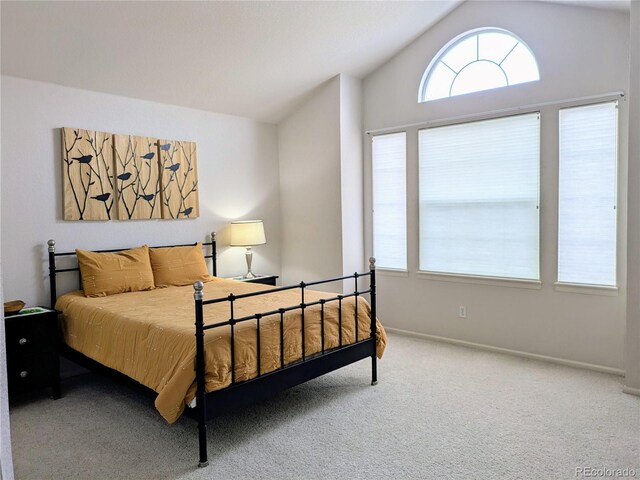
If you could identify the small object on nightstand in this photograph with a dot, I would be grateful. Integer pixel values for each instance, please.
(13, 307)
(264, 279)
(32, 350)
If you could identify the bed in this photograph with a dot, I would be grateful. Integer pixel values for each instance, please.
(251, 341)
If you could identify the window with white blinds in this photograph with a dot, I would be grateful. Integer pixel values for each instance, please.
(479, 190)
(389, 153)
(587, 194)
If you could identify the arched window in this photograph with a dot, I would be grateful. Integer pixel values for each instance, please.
(478, 60)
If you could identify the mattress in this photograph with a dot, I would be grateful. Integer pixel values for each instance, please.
(149, 336)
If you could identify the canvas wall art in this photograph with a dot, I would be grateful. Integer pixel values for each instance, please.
(87, 175)
(137, 177)
(126, 177)
(179, 183)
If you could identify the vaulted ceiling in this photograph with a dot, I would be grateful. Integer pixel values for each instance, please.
(253, 59)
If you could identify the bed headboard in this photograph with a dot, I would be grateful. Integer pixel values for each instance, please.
(53, 270)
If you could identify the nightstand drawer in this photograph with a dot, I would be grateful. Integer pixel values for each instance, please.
(32, 370)
(30, 337)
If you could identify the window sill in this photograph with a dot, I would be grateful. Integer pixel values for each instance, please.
(586, 289)
(480, 280)
(392, 272)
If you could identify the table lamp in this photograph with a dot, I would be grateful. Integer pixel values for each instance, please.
(247, 233)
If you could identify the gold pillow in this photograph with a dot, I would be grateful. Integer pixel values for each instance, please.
(178, 265)
(110, 273)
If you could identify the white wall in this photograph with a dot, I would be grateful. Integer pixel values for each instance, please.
(581, 52)
(352, 195)
(309, 150)
(632, 352)
(321, 185)
(6, 461)
(237, 169)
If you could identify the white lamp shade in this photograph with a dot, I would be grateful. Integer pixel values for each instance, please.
(247, 233)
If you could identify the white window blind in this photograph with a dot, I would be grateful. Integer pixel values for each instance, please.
(390, 200)
(587, 194)
(479, 185)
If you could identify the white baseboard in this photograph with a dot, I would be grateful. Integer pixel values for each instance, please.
(517, 353)
(631, 390)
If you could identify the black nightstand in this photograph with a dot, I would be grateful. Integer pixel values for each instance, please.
(32, 351)
(264, 279)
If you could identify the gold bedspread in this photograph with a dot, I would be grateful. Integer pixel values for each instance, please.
(149, 336)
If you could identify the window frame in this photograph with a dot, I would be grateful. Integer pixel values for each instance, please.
(549, 111)
(534, 283)
(451, 44)
(588, 288)
(391, 270)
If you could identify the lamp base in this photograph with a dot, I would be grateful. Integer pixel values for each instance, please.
(249, 256)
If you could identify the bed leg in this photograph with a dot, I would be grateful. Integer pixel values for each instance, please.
(372, 287)
(374, 370)
(202, 438)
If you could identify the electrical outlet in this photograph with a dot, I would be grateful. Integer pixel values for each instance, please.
(462, 312)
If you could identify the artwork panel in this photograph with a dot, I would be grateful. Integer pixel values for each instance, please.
(179, 179)
(137, 177)
(87, 175)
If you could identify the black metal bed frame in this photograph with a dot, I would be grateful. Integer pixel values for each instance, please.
(263, 386)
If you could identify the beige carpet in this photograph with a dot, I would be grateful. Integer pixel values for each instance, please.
(439, 412)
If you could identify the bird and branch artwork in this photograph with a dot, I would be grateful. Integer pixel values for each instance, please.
(87, 175)
(111, 176)
(137, 177)
(179, 179)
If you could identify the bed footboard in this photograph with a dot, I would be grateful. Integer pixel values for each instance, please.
(266, 385)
